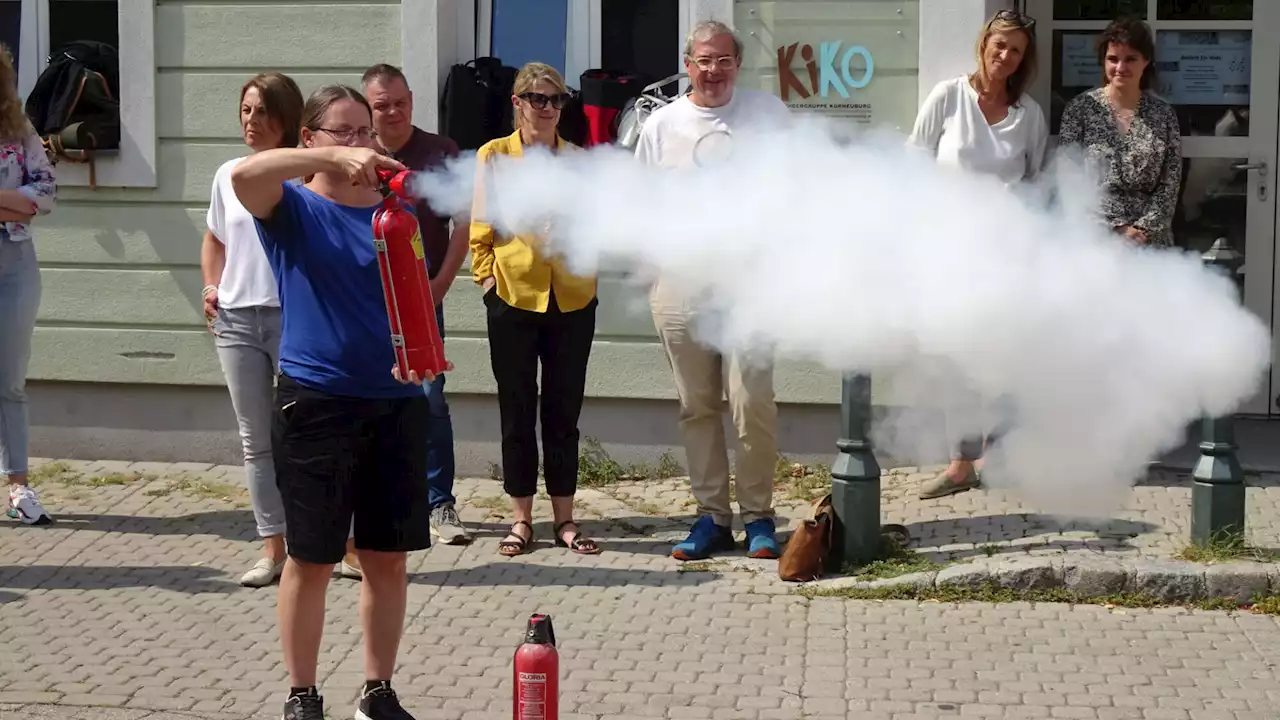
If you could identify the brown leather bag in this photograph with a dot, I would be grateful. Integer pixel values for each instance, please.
(806, 553)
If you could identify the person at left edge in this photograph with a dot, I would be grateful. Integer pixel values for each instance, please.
(347, 430)
(388, 92)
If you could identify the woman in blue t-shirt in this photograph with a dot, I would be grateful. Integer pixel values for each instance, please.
(348, 433)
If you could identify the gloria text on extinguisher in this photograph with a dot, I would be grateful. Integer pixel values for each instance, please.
(536, 671)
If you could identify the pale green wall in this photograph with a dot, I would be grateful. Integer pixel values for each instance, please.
(121, 267)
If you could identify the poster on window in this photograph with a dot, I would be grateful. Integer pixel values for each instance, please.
(1079, 61)
(1204, 67)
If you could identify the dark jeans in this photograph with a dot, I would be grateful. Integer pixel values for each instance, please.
(440, 459)
(518, 341)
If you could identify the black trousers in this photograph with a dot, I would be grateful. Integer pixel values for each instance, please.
(518, 341)
(341, 457)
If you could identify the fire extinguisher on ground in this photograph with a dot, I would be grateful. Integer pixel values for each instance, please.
(406, 286)
(537, 673)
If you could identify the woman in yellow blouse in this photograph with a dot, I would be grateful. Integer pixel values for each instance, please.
(537, 311)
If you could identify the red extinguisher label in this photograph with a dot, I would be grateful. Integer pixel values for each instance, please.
(533, 696)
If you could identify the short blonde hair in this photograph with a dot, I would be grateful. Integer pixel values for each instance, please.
(535, 72)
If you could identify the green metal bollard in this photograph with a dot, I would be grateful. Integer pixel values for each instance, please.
(1218, 492)
(857, 537)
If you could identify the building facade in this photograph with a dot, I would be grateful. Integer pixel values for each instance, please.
(123, 366)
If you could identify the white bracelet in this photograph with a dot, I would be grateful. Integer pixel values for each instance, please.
(208, 289)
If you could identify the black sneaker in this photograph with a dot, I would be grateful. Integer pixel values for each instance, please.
(381, 703)
(308, 706)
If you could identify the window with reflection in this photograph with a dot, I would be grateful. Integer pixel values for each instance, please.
(1075, 70)
(1098, 9)
(1213, 203)
(1205, 76)
(1205, 9)
(525, 31)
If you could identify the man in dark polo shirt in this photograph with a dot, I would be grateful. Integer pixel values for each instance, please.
(388, 92)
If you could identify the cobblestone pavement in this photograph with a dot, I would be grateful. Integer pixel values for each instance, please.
(130, 601)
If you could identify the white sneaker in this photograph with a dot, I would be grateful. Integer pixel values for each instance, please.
(25, 505)
(263, 573)
(351, 572)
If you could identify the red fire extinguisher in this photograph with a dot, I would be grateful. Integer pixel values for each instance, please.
(406, 287)
(537, 673)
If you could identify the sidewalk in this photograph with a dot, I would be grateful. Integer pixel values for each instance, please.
(130, 601)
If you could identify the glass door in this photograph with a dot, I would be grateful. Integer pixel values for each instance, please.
(1217, 67)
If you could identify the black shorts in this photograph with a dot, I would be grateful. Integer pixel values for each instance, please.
(338, 457)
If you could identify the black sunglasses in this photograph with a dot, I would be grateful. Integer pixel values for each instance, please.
(1026, 22)
(539, 100)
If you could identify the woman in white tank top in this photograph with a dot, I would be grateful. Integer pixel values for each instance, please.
(985, 123)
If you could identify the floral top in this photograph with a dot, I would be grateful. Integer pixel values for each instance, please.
(25, 167)
(1140, 170)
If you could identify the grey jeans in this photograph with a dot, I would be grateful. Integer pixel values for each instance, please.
(19, 303)
(248, 342)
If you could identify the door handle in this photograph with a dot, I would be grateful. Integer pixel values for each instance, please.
(1261, 167)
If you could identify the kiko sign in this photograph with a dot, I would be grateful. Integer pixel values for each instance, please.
(831, 70)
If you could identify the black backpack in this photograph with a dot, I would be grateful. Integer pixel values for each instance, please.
(573, 121)
(475, 106)
(75, 104)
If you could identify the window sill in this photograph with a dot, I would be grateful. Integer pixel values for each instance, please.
(118, 168)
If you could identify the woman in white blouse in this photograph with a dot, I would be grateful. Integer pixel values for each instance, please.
(985, 123)
(242, 307)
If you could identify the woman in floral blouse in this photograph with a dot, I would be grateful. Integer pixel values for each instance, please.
(1130, 137)
(27, 189)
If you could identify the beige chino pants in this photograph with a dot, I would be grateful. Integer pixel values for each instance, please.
(702, 378)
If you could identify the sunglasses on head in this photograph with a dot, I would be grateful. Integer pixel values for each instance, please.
(539, 100)
(1026, 22)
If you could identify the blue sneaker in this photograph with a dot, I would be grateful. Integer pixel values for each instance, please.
(705, 537)
(760, 540)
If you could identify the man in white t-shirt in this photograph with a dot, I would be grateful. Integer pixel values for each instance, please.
(713, 56)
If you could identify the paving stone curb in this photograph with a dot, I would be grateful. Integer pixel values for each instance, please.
(1166, 580)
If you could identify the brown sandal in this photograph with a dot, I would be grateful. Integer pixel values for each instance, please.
(519, 546)
(579, 543)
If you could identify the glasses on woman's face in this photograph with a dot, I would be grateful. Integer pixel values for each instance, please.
(1026, 22)
(540, 101)
(346, 135)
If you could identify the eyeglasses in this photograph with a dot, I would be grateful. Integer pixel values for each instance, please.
(345, 135)
(540, 100)
(1026, 22)
(724, 62)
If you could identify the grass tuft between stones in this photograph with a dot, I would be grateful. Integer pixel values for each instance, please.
(992, 593)
(597, 469)
(1231, 547)
(897, 561)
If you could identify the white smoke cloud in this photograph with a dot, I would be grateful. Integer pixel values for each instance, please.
(867, 256)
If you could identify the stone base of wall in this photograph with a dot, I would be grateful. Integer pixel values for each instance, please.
(165, 423)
